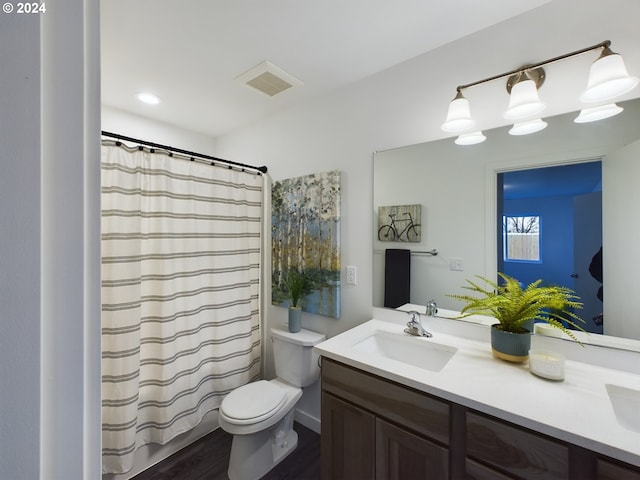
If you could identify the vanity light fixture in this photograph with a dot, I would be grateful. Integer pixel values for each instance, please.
(608, 79)
(591, 114)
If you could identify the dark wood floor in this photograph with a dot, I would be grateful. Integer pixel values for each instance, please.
(208, 458)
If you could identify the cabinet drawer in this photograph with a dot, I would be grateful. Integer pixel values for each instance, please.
(513, 450)
(607, 470)
(404, 406)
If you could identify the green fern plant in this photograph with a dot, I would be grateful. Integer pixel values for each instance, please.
(513, 306)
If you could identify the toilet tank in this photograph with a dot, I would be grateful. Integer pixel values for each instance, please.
(295, 360)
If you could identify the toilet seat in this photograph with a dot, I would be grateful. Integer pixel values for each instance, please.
(253, 402)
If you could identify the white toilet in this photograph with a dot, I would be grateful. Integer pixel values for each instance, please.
(260, 414)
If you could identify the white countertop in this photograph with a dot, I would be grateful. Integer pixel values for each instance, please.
(576, 410)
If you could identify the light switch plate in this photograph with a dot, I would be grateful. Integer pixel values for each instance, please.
(351, 275)
(456, 264)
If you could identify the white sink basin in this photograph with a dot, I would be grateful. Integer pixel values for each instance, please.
(626, 405)
(415, 351)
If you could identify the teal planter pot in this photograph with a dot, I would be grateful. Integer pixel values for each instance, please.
(295, 319)
(512, 347)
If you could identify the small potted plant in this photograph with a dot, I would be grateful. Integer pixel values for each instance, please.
(298, 285)
(515, 308)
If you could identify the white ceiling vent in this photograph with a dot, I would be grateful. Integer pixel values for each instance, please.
(268, 79)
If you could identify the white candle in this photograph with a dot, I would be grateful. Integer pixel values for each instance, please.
(546, 364)
(547, 330)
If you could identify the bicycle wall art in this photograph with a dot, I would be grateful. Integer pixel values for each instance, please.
(400, 223)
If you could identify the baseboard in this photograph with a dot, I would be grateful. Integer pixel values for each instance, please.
(308, 420)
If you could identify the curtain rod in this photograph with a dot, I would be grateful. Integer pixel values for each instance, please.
(231, 164)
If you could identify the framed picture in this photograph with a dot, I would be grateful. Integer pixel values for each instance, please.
(400, 223)
(305, 236)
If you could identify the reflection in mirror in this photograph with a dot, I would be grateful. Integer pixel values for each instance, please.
(552, 229)
(457, 186)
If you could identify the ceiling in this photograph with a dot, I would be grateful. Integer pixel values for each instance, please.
(190, 52)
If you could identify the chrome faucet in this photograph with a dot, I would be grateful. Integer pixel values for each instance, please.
(432, 309)
(414, 326)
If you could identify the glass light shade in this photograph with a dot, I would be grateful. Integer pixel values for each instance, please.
(600, 112)
(524, 101)
(530, 126)
(472, 138)
(459, 116)
(608, 78)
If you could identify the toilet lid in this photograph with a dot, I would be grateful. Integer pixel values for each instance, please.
(253, 401)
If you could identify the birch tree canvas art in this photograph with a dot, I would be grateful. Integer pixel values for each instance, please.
(305, 236)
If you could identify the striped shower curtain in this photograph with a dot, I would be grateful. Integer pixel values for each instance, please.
(180, 284)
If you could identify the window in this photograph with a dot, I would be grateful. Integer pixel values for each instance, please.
(521, 235)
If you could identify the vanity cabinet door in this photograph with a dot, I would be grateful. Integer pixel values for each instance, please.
(401, 455)
(347, 443)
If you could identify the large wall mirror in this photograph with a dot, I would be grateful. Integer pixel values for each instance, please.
(456, 188)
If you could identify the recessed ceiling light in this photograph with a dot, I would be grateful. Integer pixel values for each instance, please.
(148, 98)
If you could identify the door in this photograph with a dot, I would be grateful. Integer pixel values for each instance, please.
(347, 443)
(587, 242)
(402, 455)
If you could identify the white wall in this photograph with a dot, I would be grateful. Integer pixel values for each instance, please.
(49, 260)
(130, 125)
(405, 105)
(19, 255)
(620, 237)
(70, 242)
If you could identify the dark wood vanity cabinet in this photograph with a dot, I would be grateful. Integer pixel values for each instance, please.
(373, 428)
